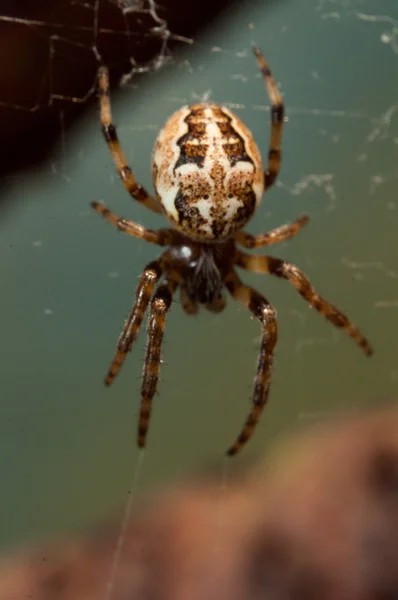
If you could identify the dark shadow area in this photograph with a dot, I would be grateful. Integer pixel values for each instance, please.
(50, 52)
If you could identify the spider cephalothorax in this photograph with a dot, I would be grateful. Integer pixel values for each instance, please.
(209, 181)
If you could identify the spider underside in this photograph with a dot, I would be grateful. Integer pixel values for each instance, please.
(205, 270)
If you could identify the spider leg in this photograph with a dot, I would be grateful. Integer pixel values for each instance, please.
(285, 270)
(162, 237)
(143, 294)
(280, 234)
(277, 114)
(161, 303)
(109, 130)
(263, 311)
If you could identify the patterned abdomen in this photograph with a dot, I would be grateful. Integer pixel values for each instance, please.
(207, 172)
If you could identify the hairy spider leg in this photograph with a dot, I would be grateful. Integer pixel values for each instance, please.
(280, 234)
(285, 270)
(143, 294)
(277, 115)
(262, 310)
(161, 237)
(135, 190)
(285, 232)
(160, 305)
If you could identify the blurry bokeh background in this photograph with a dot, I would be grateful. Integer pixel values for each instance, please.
(67, 444)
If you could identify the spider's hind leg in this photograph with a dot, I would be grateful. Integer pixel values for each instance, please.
(161, 237)
(280, 234)
(160, 305)
(277, 117)
(135, 190)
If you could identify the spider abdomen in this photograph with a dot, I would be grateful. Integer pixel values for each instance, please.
(207, 172)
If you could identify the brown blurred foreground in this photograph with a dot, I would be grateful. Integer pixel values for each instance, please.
(320, 520)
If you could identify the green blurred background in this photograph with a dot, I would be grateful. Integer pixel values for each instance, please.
(67, 444)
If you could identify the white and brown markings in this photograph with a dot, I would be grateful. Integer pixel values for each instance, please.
(207, 172)
(208, 182)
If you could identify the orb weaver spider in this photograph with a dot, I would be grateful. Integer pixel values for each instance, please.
(209, 180)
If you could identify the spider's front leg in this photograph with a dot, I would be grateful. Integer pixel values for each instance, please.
(160, 305)
(285, 270)
(143, 294)
(135, 190)
(264, 312)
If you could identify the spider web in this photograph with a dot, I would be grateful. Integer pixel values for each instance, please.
(68, 280)
(90, 49)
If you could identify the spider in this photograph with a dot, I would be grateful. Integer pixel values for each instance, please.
(209, 181)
